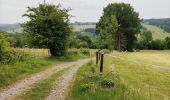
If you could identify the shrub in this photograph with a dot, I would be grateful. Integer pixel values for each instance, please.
(84, 51)
(107, 83)
(4, 48)
(85, 87)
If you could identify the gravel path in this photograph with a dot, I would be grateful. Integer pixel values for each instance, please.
(61, 86)
(19, 87)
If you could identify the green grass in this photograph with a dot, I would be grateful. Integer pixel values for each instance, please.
(137, 76)
(95, 91)
(157, 32)
(41, 89)
(146, 71)
(10, 73)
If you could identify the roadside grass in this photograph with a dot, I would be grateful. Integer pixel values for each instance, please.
(137, 76)
(91, 85)
(10, 73)
(41, 89)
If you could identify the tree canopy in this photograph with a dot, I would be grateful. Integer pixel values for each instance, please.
(48, 27)
(126, 25)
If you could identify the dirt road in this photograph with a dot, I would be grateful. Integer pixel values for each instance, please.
(63, 81)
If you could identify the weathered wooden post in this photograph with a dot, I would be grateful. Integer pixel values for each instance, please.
(97, 53)
(101, 62)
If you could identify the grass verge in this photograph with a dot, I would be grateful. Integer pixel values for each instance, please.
(41, 89)
(10, 73)
(91, 85)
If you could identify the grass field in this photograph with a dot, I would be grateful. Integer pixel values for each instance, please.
(136, 76)
(157, 32)
(36, 60)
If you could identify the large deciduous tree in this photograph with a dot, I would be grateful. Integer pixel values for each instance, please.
(128, 25)
(48, 27)
(105, 29)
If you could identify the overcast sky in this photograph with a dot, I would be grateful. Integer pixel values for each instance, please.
(84, 10)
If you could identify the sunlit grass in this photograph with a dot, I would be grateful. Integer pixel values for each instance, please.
(137, 76)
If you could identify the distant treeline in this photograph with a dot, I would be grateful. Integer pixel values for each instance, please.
(162, 23)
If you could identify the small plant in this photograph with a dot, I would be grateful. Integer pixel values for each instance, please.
(107, 83)
(85, 87)
(92, 68)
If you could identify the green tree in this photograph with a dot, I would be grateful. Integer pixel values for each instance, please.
(167, 40)
(4, 47)
(49, 27)
(128, 25)
(145, 39)
(105, 30)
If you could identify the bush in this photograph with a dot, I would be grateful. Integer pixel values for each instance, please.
(85, 87)
(107, 83)
(4, 48)
(84, 51)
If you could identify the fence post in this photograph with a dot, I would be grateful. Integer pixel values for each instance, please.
(101, 62)
(97, 53)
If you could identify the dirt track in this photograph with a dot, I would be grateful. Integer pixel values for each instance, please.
(22, 85)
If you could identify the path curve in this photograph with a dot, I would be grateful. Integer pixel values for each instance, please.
(17, 88)
(61, 86)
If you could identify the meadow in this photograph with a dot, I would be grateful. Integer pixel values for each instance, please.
(127, 76)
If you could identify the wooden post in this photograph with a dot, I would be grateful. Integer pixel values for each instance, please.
(97, 53)
(101, 62)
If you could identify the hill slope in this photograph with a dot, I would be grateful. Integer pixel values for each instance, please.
(157, 32)
(163, 23)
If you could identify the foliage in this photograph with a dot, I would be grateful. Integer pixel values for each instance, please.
(121, 24)
(18, 40)
(105, 30)
(107, 83)
(86, 87)
(48, 27)
(4, 48)
(167, 40)
(144, 40)
(82, 40)
(163, 23)
(157, 32)
(158, 45)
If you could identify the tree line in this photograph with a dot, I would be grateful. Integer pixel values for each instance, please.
(49, 26)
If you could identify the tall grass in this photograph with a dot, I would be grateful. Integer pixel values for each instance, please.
(136, 76)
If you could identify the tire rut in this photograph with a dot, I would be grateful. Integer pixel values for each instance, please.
(17, 88)
(61, 86)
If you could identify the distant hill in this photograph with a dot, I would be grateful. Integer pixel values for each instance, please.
(163, 23)
(78, 26)
(10, 28)
(157, 32)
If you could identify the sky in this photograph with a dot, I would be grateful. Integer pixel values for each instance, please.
(11, 11)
